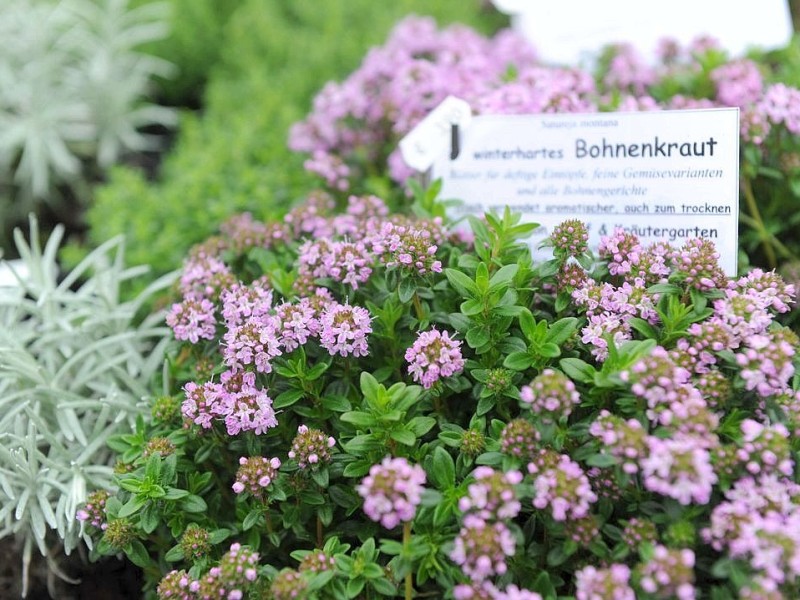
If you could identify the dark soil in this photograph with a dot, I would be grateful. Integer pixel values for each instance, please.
(107, 579)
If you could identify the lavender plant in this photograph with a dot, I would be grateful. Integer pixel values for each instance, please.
(365, 404)
(75, 363)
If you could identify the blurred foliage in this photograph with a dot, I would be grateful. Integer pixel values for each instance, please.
(274, 57)
(193, 46)
(73, 90)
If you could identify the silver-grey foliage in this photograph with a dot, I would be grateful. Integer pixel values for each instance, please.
(72, 87)
(75, 365)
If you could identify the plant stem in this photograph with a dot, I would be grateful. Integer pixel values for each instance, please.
(319, 532)
(752, 205)
(418, 306)
(407, 551)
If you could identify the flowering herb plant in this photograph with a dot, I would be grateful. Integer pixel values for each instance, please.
(363, 404)
(351, 134)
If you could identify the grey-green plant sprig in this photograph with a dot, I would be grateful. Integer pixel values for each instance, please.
(75, 364)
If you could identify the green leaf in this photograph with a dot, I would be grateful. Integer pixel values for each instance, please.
(320, 476)
(503, 276)
(358, 468)
(287, 398)
(174, 554)
(471, 308)
(361, 444)
(193, 504)
(175, 494)
(643, 327)
(404, 436)
(384, 587)
(148, 520)
(577, 370)
(251, 519)
(518, 361)
(443, 469)
(137, 554)
(360, 419)
(354, 587)
(336, 403)
(601, 460)
(549, 350)
(528, 325)
(459, 322)
(406, 289)
(219, 535)
(421, 425)
(369, 386)
(131, 506)
(485, 405)
(477, 336)
(560, 331)
(462, 283)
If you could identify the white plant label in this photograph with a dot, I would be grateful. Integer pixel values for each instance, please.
(423, 144)
(570, 30)
(662, 175)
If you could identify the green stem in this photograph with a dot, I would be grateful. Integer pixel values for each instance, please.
(407, 552)
(319, 532)
(752, 205)
(418, 307)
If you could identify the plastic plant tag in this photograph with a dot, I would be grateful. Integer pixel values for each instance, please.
(423, 144)
(662, 175)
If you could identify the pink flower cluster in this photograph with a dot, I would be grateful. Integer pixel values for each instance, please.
(551, 395)
(255, 475)
(492, 496)
(311, 447)
(563, 487)
(609, 310)
(433, 356)
(759, 522)
(612, 583)
(392, 491)
(481, 547)
(669, 574)
(236, 401)
(228, 580)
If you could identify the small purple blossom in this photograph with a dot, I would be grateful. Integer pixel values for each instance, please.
(392, 491)
(434, 355)
(481, 548)
(551, 395)
(612, 583)
(311, 447)
(192, 320)
(563, 487)
(255, 475)
(492, 496)
(344, 329)
(679, 468)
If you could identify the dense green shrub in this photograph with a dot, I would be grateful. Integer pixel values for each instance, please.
(193, 46)
(233, 158)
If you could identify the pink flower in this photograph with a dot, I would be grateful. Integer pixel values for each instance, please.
(434, 355)
(392, 491)
(344, 329)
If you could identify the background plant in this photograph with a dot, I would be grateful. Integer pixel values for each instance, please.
(233, 158)
(73, 89)
(350, 136)
(587, 423)
(75, 364)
